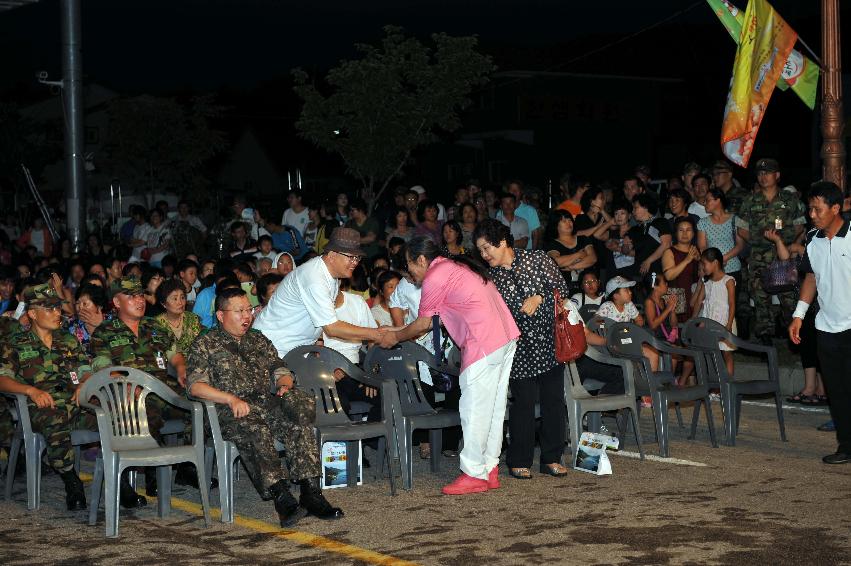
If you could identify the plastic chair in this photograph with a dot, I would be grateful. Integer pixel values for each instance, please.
(399, 365)
(314, 368)
(704, 334)
(226, 454)
(579, 401)
(34, 447)
(624, 340)
(126, 440)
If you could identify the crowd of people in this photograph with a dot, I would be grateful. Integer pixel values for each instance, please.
(214, 312)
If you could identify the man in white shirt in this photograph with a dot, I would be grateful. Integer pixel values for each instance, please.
(700, 184)
(526, 212)
(302, 307)
(827, 268)
(297, 214)
(518, 226)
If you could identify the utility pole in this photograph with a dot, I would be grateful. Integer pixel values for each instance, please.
(832, 115)
(72, 100)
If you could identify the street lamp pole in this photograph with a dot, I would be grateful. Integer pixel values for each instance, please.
(832, 115)
(72, 99)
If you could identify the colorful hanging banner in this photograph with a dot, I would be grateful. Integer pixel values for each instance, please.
(764, 46)
(799, 72)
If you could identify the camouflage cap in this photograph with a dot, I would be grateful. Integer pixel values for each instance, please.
(42, 296)
(767, 164)
(722, 165)
(127, 285)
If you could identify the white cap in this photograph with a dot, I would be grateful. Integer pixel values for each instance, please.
(616, 283)
(419, 189)
(278, 258)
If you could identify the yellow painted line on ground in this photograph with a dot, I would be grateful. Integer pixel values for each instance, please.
(299, 537)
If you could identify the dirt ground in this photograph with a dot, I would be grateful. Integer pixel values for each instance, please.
(761, 502)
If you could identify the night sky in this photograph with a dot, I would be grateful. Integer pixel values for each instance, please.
(162, 46)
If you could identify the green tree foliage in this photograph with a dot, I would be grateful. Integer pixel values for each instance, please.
(393, 99)
(158, 143)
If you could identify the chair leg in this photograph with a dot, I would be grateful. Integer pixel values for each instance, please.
(34, 450)
(634, 414)
(112, 473)
(97, 489)
(679, 414)
(435, 437)
(203, 485)
(694, 416)
(352, 457)
(575, 418)
(595, 421)
(14, 452)
(710, 422)
(77, 455)
(660, 412)
(738, 411)
(408, 450)
(778, 401)
(164, 490)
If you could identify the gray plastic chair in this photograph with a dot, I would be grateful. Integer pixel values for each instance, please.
(126, 440)
(399, 364)
(704, 335)
(598, 325)
(579, 401)
(624, 340)
(34, 447)
(226, 454)
(314, 368)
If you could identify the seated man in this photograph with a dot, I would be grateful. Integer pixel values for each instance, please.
(232, 364)
(47, 365)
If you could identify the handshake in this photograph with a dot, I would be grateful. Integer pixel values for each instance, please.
(386, 336)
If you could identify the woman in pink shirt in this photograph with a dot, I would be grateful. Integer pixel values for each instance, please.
(474, 314)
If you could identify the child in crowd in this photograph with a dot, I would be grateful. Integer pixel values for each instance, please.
(716, 297)
(264, 248)
(187, 271)
(661, 309)
(620, 308)
(590, 299)
(385, 284)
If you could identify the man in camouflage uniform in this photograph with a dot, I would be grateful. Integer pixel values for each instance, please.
(233, 364)
(133, 340)
(8, 327)
(769, 209)
(47, 365)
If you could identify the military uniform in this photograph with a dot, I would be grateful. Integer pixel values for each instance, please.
(243, 368)
(114, 344)
(56, 370)
(760, 215)
(8, 327)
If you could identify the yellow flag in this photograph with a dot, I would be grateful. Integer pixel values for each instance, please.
(764, 45)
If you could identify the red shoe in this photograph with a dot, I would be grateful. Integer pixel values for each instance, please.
(465, 484)
(493, 478)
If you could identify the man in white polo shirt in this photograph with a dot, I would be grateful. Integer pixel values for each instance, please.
(302, 306)
(827, 265)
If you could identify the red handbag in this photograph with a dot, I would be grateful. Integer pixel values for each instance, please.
(569, 338)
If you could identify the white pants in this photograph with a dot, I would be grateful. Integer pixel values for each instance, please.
(484, 389)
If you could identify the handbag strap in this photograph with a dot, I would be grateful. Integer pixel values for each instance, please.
(435, 339)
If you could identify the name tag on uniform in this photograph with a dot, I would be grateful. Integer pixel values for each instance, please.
(119, 342)
(160, 360)
(74, 379)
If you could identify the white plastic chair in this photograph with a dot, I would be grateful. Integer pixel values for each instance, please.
(126, 440)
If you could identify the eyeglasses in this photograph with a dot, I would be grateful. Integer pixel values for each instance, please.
(249, 310)
(355, 259)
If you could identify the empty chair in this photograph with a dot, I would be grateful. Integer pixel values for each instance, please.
(314, 368)
(399, 364)
(34, 447)
(624, 340)
(704, 335)
(579, 401)
(126, 440)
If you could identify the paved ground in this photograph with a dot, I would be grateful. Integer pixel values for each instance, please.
(762, 502)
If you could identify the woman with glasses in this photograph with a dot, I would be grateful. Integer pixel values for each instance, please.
(589, 298)
(184, 326)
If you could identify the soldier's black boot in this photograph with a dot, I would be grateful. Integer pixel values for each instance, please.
(187, 475)
(75, 495)
(127, 496)
(315, 503)
(287, 507)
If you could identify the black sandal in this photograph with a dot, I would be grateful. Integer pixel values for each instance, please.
(797, 397)
(814, 400)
